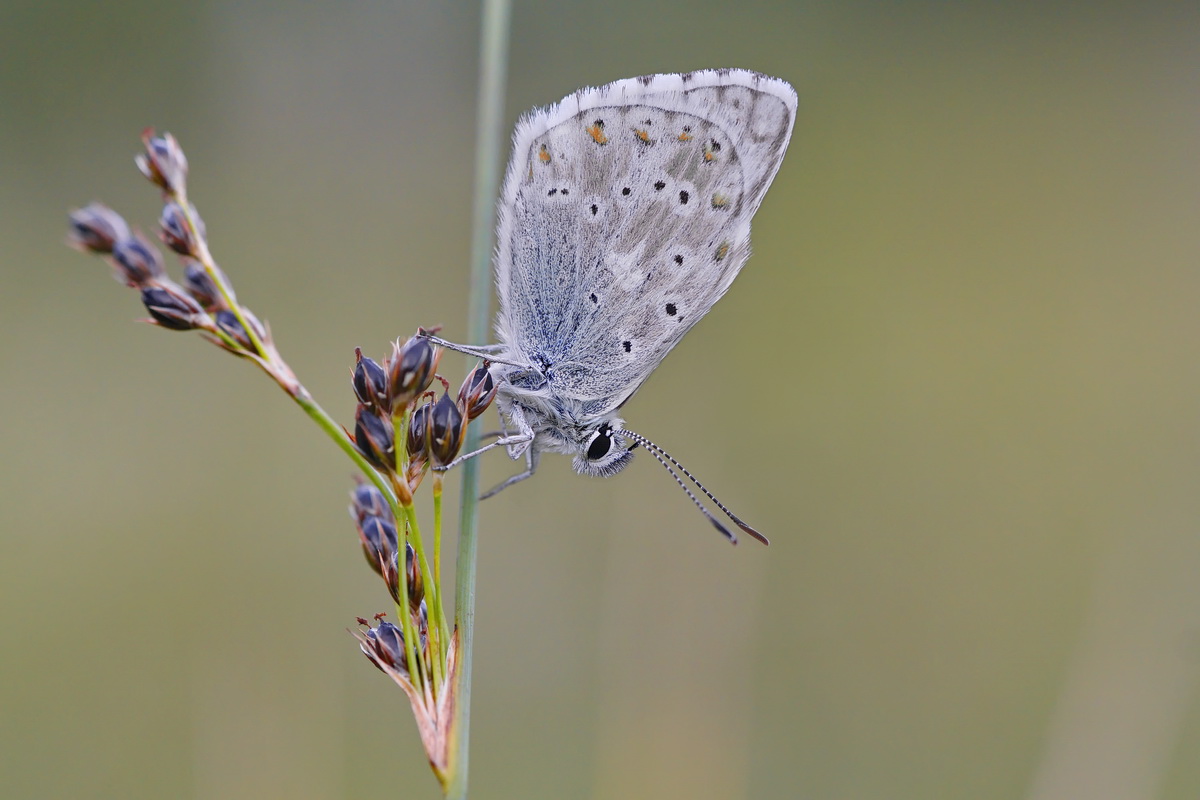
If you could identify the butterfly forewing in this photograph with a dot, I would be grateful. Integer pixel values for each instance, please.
(627, 216)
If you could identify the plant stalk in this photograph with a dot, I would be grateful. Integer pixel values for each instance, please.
(489, 137)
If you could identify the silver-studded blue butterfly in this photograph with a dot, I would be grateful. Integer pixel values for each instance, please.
(625, 215)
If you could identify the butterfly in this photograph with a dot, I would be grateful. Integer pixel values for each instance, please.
(624, 216)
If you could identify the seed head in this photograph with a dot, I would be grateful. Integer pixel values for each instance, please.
(384, 646)
(136, 262)
(417, 440)
(175, 232)
(379, 544)
(421, 623)
(416, 584)
(163, 163)
(201, 287)
(477, 392)
(173, 309)
(228, 322)
(370, 382)
(416, 443)
(378, 538)
(96, 228)
(375, 439)
(367, 501)
(410, 370)
(446, 427)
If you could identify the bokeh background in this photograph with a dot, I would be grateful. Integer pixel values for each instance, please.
(957, 384)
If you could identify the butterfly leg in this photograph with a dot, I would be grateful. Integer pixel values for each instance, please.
(522, 440)
(531, 453)
(515, 442)
(488, 352)
(531, 462)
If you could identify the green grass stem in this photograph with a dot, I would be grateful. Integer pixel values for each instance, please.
(489, 140)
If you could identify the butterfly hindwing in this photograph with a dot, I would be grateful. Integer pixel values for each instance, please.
(627, 216)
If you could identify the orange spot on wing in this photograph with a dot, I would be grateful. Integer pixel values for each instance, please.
(544, 154)
(722, 251)
(596, 131)
(642, 135)
(719, 200)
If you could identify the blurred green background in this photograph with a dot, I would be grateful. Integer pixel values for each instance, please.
(957, 384)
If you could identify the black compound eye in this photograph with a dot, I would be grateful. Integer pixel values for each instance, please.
(600, 445)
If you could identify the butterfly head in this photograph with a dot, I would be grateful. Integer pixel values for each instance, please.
(601, 451)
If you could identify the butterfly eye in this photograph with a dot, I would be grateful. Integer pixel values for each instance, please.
(600, 444)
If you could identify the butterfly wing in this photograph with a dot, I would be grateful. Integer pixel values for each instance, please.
(625, 215)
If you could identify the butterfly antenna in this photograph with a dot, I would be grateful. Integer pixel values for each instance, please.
(663, 457)
(716, 522)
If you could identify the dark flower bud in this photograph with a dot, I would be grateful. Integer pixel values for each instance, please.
(136, 261)
(417, 441)
(384, 646)
(379, 544)
(410, 370)
(173, 309)
(228, 322)
(416, 585)
(477, 392)
(374, 437)
(370, 382)
(367, 501)
(378, 538)
(446, 424)
(391, 644)
(175, 232)
(200, 286)
(421, 623)
(96, 228)
(163, 162)
(417, 444)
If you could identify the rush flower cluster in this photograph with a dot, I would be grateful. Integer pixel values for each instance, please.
(204, 301)
(402, 430)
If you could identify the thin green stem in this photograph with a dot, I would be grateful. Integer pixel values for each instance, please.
(437, 567)
(400, 438)
(334, 431)
(236, 348)
(437, 528)
(437, 623)
(438, 639)
(410, 513)
(210, 267)
(416, 669)
(489, 138)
